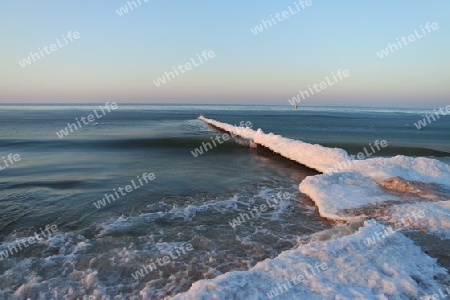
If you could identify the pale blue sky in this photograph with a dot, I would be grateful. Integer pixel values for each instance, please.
(118, 57)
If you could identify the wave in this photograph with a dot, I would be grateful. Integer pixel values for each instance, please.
(101, 259)
(392, 150)
(191, 143)
(58, 184)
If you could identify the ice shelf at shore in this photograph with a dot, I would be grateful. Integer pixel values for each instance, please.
(371, 262)
(357, 183)
(343, 268)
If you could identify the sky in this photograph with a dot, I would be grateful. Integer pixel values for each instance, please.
(119, 57)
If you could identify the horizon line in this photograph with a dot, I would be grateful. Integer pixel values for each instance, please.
(201, 104)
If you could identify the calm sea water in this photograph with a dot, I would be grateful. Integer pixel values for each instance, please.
(191, 200)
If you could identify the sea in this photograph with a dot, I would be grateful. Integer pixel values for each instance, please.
(134, 245)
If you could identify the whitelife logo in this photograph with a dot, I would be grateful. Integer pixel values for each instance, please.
(90, 118)
(404, 223)
(49, 229)
(411, 38)
(124, 9)
(319, 87)
(12, 158)
(441, 295)
(188, 66)
(423, 123)
(225, 137)
(128, 189)
(262, 208)
(345, 164)
(306, 274)
(281, 17)
(141, 273)
(48, 50)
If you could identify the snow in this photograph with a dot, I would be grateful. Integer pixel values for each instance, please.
(345, 190)
(435, 220)
(409, 168)
(346, 183)
(361, 183)
(394, 268)
(314, 156)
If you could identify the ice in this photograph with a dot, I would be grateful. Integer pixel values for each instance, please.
(409, 168)
(313, 156)
(374, 262)
(435, 220)
(393, 269)
(347, 183)
(345, 190)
